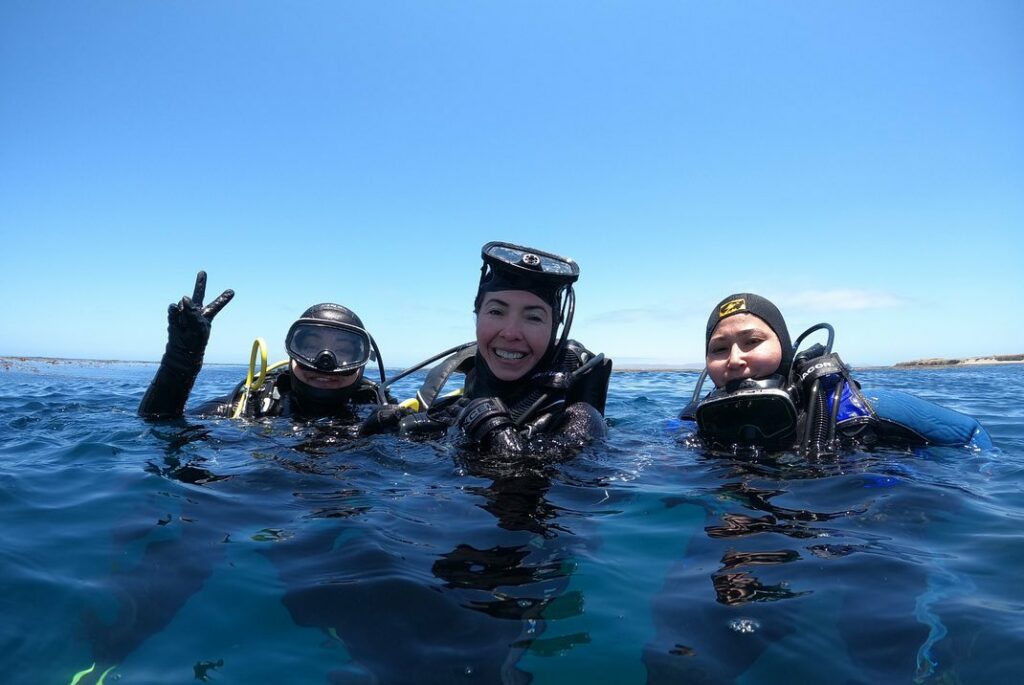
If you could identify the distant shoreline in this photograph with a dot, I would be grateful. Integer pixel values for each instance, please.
(965, 361)
(10, 361)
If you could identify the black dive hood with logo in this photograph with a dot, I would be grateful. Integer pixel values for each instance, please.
(766, 412)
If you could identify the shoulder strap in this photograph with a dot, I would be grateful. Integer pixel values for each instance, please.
(460, 362)
(591, 379)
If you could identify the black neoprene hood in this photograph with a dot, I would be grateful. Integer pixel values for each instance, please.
(327, 311)
(762, 308)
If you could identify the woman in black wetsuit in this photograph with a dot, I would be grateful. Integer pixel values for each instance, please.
(528, 388)
(770, 395)
(328, 350)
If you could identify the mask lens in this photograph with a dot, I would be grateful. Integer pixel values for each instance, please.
(532, 261)
(759, 418)
(330, 348)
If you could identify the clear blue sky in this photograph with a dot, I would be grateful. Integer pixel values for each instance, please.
(857, 162)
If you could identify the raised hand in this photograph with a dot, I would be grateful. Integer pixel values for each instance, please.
(188, 331)
(188, 321)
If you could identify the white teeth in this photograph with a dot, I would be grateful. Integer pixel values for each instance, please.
(508, 354)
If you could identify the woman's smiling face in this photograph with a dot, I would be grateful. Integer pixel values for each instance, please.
(513, 331)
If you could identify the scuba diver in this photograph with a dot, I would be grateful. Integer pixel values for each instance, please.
(529, 389)
(328, 349)
(161, 567)
(769, 395)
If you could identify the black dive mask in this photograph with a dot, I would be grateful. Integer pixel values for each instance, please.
(329, 346)
(530, 264)
(749, 412)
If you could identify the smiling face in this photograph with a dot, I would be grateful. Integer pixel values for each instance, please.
(513, 331)
(324, 381)
(742, 346)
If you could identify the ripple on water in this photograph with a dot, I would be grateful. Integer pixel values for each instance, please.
(642, 560)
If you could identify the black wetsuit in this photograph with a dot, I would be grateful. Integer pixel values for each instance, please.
(552, 412)
(834, 411)
(169, 390)
(275, 398)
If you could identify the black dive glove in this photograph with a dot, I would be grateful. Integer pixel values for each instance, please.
(484, 417)
(188, 331)
(384, 419)
(188, 326)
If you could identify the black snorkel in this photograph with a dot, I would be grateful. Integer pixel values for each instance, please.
(378, 388)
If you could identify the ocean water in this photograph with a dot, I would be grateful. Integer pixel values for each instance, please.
(219, 551)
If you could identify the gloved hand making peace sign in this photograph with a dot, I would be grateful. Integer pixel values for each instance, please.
(188, 326)
(188, 331)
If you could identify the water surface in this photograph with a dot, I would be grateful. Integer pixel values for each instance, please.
(234, 552)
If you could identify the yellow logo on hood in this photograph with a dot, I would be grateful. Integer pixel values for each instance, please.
(731, 307)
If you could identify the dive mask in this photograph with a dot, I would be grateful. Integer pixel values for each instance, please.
(546, 275)
(748, 412)
(328, 346)
(529, 263)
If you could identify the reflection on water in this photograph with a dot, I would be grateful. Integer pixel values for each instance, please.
(275, 551)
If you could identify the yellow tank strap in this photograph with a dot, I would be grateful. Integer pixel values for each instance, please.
(259, 346)
(243, 399)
